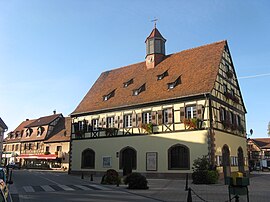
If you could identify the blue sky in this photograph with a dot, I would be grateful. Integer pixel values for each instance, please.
(51, 52)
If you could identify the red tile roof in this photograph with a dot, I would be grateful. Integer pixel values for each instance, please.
(21, 128)
(154, 33)
(198, 68)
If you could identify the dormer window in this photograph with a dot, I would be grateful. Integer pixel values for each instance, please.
(139, 90)
(161, 76)
(174, 84)
(40, 131)
(28, 132)
(126, 84)
(108, 96)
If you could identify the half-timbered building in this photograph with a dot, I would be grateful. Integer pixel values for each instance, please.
(157, 116)
(40, 143)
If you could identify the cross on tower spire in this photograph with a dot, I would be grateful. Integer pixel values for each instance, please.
(155, 22)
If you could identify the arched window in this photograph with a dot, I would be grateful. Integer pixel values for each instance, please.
(241, 161)
(88, 159)
(178, 156)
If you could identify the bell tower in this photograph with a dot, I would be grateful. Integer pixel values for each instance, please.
(155, 48)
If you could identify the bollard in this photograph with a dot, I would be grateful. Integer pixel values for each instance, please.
(91, 178)
(10, 176)
(186, 182)
(117, 184)
(189, 197)
(236, 198)
(82, 177)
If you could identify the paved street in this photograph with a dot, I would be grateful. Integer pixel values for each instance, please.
(34, 185)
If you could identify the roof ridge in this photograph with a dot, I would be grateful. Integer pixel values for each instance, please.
(217, 42)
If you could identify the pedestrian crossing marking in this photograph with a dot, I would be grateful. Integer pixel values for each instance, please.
(60, 187)
(83, 187)
(47, 188)
(28, 189)
(66, 188)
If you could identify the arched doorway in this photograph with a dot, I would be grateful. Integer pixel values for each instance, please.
(88, 159)
(241, 163)
(128, 160)
(226, 161)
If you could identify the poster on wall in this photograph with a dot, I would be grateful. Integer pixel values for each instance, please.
(107, 161)
(151, 161)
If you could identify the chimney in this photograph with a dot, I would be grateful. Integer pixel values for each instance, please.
(54, 111)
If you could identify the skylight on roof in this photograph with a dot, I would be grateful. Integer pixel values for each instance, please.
(126, 84)
(174, 84)
(161, 76)
(108, 96)
(139, 90)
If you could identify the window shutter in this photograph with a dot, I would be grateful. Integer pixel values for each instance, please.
(199, 111)
(182, 114)
(134, 121)
(153, 116)
(100, 122)
(104, 123)
(160, 117)
(170, 115)
(116, 121)
(139, 116)
(221, 111)
(121, 124)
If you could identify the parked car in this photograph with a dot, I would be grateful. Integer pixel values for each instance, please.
(14, 165)
(3, 185)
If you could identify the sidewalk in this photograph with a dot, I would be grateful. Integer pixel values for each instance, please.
(174, 190)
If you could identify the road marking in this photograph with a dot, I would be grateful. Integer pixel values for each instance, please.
(66, 188)
(47, 188)
(28, 189)
(83, 187)
(100, 187)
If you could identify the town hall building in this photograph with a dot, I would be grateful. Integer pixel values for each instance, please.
(157, 116)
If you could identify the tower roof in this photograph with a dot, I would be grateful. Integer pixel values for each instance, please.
(155, 33)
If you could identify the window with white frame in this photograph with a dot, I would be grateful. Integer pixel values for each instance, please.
(191, 112)
(166, 116)
(95, 124)
(147, 118)
(127, 120)
(110, 122)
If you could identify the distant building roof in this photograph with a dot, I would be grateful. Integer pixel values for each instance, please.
(263, 143)
(61, 132)
(45, 120)
(197, 69)
(3, 125)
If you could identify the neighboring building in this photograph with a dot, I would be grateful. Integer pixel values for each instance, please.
(259, 153)
(3, 129)
(156, 117)
(40, 143)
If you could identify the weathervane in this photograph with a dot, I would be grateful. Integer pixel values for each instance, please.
(155, 20)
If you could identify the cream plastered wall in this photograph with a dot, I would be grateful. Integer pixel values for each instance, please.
(65, 151)
(196, 141)
(233, 142)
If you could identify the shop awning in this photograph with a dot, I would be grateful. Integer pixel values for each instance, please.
(37, 156)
